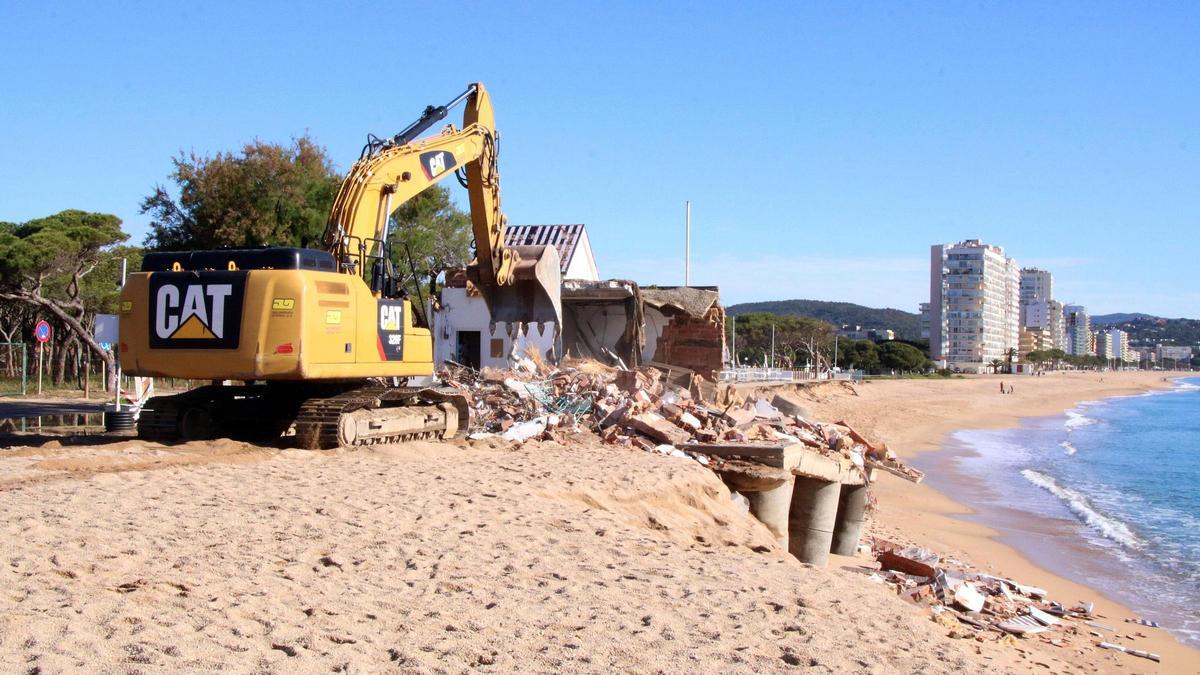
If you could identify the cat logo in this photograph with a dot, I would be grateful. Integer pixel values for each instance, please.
(391, 330)
(436, 163)
(189, 310)
(390, 316)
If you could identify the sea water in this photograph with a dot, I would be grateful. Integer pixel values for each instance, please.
(1107, 494)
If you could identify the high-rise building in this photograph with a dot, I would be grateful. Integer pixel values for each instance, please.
(1078, 328)
(1039, 310)
(974, 305)
(923, 310)
(1104, 344)
(1036, 284)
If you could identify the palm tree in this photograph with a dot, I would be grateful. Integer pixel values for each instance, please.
(996, 364)
(1009, 357)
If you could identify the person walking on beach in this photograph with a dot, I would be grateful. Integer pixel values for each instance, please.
(1002, 387)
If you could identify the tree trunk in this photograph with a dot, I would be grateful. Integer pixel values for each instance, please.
(71, 323)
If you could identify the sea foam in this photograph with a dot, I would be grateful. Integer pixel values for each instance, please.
(1080, 506)
(1070, 449)
(1075, 420)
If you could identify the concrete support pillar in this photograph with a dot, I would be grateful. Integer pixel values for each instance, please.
(847, 526)
(771, 507)
(810, 527)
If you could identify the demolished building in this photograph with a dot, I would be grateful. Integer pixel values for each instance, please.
(613, 321)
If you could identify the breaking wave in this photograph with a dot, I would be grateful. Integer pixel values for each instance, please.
(1081, 507)
(1075, 420)
(1070, 449)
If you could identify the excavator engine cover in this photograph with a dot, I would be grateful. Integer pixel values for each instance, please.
(533, 296)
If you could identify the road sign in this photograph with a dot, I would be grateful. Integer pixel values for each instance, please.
(42, 331)
(106, 328)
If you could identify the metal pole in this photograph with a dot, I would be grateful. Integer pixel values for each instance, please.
(772, 345)
(24, 374)
(687, 245)
(40, 346)
(835, 339)
(117, 355)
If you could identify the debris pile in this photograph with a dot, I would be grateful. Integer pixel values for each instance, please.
(972, 604)
(643, 408)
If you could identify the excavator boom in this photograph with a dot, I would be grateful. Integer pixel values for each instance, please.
(519, 284)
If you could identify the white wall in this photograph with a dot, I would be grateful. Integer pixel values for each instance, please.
(461, 312)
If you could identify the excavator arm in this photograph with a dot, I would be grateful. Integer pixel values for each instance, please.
(520, 284)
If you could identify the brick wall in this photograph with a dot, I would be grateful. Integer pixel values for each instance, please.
(696, 344)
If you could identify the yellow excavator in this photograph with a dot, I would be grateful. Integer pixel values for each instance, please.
(324, 341)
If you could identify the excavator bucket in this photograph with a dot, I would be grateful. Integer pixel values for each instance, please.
(535, 294)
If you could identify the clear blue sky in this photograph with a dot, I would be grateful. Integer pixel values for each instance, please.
(824, 147)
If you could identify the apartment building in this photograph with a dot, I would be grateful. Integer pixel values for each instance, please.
(974, 305)
(1077, 326)
(1039, 310)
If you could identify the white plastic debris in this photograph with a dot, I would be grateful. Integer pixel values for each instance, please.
(766, 410)
(1031, 591)
(525, 430)
(968, 598)
(518, 387)
(480, 435)
(787, 438)
(1043, 618)
(1132, 652)
(1022, 625)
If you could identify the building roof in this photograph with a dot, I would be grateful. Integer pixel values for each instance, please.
(565, 238)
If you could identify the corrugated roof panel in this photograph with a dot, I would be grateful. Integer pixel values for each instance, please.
(565, 238)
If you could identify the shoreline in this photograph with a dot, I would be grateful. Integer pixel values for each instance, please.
(917, 418)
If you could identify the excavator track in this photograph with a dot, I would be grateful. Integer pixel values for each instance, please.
(376, 415)
(159, 418)
(367, 415)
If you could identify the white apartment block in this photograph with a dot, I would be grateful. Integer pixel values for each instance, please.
(1039, 310)
(974, 305)
(1036, 285)
(1077, 327)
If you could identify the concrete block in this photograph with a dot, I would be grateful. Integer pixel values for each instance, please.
(811, 521)
(852, 508)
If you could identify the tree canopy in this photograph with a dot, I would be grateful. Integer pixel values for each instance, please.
(49, 264)
(266, 195)
(901, 356)
(435, 232)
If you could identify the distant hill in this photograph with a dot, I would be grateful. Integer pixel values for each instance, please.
(1113, 319)
(906, 324)
(1144, 329)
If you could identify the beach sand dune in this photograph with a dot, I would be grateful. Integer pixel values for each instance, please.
(419, 557)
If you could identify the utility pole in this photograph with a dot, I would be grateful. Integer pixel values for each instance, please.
(835, 340)
(687, 244)
(772, 345)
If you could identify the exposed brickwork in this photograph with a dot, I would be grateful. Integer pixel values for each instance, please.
(696, 344)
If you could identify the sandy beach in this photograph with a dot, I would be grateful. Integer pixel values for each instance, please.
(132, 557)
(915, 416)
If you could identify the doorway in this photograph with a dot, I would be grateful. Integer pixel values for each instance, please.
(467, 352)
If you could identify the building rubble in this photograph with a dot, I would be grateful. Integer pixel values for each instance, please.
(643, 408)
(987, 608)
